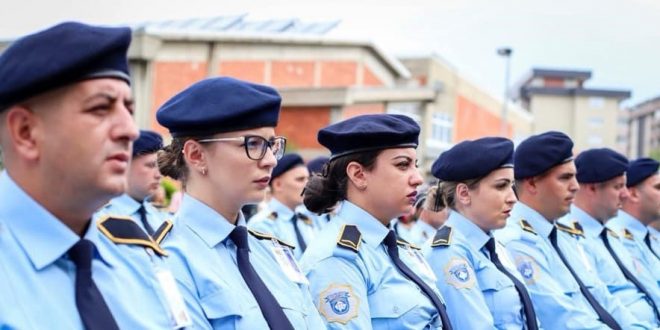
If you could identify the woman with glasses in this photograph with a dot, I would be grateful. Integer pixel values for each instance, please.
(223, 150)
(474, 272)
(361, 276)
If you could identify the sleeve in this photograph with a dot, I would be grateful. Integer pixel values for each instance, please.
(339, 291)
(457, 282)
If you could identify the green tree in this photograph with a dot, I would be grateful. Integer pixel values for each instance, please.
(655, 154)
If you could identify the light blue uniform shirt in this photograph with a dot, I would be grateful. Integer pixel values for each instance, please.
(276, 219)
(609, 272)
(364, 289)
(319, 220)
(479, 295)
(635, 244)
(37, 283)
(125, 205)
(420, 233)
(203, 260)
(557, 299)
(655, 239)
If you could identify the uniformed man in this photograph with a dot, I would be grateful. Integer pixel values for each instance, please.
(281, 217)
(546, 186)
(601, 174)
(143, 182)
(66, 131)
(641, 208)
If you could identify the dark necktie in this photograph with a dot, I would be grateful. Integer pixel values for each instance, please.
(628, 274)
(299, 237)
(93, 310)
(603, 315)
(647, 240)
(268, 305)
(528, 307)
(393, 251)
(143, 217)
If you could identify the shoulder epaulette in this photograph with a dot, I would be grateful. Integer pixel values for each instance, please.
(272, 215)
(442, 237)
(612, 233)
(527, 227)
(350, 237)
(162, 231)
(567, 229)
(578, 228)
(265, 236)
(628, 235)
(404, 243)
(304, 218)
(123, 230)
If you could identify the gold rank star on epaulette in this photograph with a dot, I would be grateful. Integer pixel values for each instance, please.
(350, 237)
(123, 230)
(442, 237)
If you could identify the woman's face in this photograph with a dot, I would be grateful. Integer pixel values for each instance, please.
(235, 176)
(491, 202)
(392, 183)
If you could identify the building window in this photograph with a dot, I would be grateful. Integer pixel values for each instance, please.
(441, 130)
(410, 109)
(595, 140)
(596, 102)
(595, 122)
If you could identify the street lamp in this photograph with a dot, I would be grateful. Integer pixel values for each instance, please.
(505, 52)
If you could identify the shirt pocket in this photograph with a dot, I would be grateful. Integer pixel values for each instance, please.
(394, 302)
(500, 295)
(223, 306)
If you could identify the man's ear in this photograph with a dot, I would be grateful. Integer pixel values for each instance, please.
(21, 126)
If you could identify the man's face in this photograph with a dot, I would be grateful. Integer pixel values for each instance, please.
(288, 187)
(609, 197)
(556, 190)
(143, 176)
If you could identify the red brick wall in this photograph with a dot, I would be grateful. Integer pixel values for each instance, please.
(169, 79)
(292, 73)
(370, 79)
(473, 121)
(301, 124)
(362, 109)
(553, 82)
(245, 70)
(338, 73)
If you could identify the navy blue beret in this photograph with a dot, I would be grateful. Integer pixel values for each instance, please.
(599, 165)
(473, 159)
(369, 132)
(218, 105)
(316, 165)
(540, 153)
(287, 162)
(61, 55)
(640, 169)
(148, 142)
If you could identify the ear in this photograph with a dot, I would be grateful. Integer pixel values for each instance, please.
(531, 185)
(633, 195)
(463, 194)
(590, 187)
(195, 156)
(276, 184)
(22, 127)
(357, 175)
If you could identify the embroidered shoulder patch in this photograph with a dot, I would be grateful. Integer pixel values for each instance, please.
(459, 274)
(528, 269)
(349, 237)
(442, 237)
(338, 303)
(527, 227)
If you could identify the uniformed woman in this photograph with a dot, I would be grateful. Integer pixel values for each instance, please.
(223, 150)
(474, 273)
(361, 276)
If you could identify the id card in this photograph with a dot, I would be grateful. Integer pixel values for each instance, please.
(286, 260)
(177, 307)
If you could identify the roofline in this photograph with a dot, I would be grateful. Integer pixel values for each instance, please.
(342, 96)
(618, 94)
(392, 63)
(556, 73)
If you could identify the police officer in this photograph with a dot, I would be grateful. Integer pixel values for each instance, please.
(641, 208)
(601, 174)
(546, 185)
(361, 276)
(474, 272)
(281, 217)
(66, 130)
(224, 149)
(143, 182)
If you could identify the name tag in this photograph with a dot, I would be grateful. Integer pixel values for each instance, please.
(177, 307)
(286, 260)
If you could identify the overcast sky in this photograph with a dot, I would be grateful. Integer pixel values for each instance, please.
(619, 40)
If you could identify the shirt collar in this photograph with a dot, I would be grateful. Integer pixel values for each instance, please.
(53, 239)
(282, 210)
(653, 231)
(126, 204)
(590, 226)
(474, 236)
(373, 231)
(204, 221)
(632, 224)
(540, 224)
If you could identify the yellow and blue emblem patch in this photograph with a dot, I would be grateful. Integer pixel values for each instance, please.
(459, 274)
(338, 303)
(528, 269)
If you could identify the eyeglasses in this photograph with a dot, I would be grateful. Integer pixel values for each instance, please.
(255, 145)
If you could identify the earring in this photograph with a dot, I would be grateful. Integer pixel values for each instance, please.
(203, 171)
